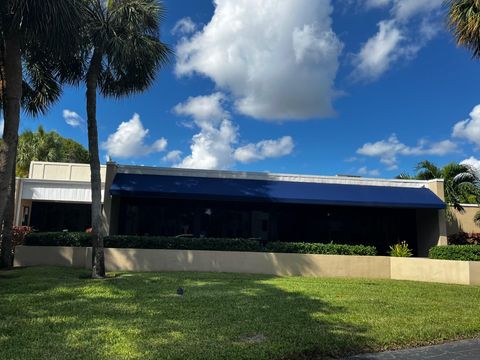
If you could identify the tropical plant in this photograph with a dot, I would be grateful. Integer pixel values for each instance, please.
(461, 181)
(464, 23)
(32, 40)
(400, 250)
(121, 55)
(44, 145)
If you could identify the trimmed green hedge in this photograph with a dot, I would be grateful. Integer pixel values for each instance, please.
(58, 239)
(318, 248)
(220, 244)
(455, 252)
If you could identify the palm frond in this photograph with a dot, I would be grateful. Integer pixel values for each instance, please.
(464, 23)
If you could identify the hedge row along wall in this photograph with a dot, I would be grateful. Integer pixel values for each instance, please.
(456, 252)
(219, 244)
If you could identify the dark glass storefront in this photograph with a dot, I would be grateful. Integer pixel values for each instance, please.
(268, 221)
(56, 216)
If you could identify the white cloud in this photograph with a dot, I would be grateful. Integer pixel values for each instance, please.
(213, 147)
(72, 118)
(377, 3)
(398, 37)
(364, 171)
(129, 140)
(389, 150)
(265, 149)
(470, 128)
(472, 162)
(203, 108)
(174, 156)
(379, 51)
(406, 9)
(184, 26)
(277, 59)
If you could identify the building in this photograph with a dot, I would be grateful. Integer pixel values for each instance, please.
(207, 203)
(55, 197)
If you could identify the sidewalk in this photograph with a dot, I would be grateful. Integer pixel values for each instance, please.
(458, 350)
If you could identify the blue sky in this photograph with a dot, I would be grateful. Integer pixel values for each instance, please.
(362, 87)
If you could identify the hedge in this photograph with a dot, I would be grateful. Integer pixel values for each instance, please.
(183, 243)
(318, 248)
(456, 252)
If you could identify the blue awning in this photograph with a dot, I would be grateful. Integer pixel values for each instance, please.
(203, 188)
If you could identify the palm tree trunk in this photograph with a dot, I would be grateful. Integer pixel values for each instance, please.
(13, 94)
(98, 259)
(6, 258)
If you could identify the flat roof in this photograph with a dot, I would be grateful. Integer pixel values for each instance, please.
(247, 175)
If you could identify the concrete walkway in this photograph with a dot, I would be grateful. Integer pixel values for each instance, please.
(458, 350)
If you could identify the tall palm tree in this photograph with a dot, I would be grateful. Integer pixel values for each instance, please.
(32, 36)
(464, 22)
(121, 56)
(461, 181)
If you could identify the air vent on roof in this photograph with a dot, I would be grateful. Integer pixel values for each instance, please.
(349, 176)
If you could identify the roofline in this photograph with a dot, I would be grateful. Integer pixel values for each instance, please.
(154, 170)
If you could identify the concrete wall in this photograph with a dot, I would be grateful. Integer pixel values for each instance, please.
(371, 267)
(462, 222)
(62, 171)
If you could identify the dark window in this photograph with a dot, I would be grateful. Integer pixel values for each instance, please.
(50, 216)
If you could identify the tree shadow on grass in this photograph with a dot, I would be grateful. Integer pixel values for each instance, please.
(140, 316)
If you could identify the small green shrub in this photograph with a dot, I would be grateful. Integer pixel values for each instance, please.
(318, 248)
(400, 250)
(456, 252)
(219, 244)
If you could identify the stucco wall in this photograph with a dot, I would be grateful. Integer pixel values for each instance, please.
(463, 222)
(371, 267)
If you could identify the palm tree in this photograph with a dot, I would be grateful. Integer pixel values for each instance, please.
(44, 145)
(461, 181)
(32, 38)
(464, 22)
(121, 56)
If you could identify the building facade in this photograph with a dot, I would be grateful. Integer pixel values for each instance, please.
(142, 200)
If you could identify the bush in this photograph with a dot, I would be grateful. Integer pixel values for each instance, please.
(58, 239)
(219, 244)
(181, 243)
(400, 250)
(318, 248)
(463, 238)
(456, 252)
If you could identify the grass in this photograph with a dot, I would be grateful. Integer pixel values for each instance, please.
(58, 313)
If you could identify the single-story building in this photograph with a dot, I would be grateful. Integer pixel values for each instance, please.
(55, 197)
(141, 200)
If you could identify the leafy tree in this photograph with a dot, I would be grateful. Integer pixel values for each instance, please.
(47, 146)
(461, 181)
(121, 55)
(32, 41)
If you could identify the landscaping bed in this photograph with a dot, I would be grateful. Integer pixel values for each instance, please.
(190, 243)
(60, 313)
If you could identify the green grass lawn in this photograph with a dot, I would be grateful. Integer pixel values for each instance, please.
(57, 313)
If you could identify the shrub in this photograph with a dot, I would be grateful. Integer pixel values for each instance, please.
(400, 250)
(58, 239)
(183, 243)
(19, 233)
(456, 252)
(318, 248)
(463, 238)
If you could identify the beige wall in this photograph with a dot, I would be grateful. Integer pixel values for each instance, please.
(62, 171)
(462, 222)
(371, 267)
